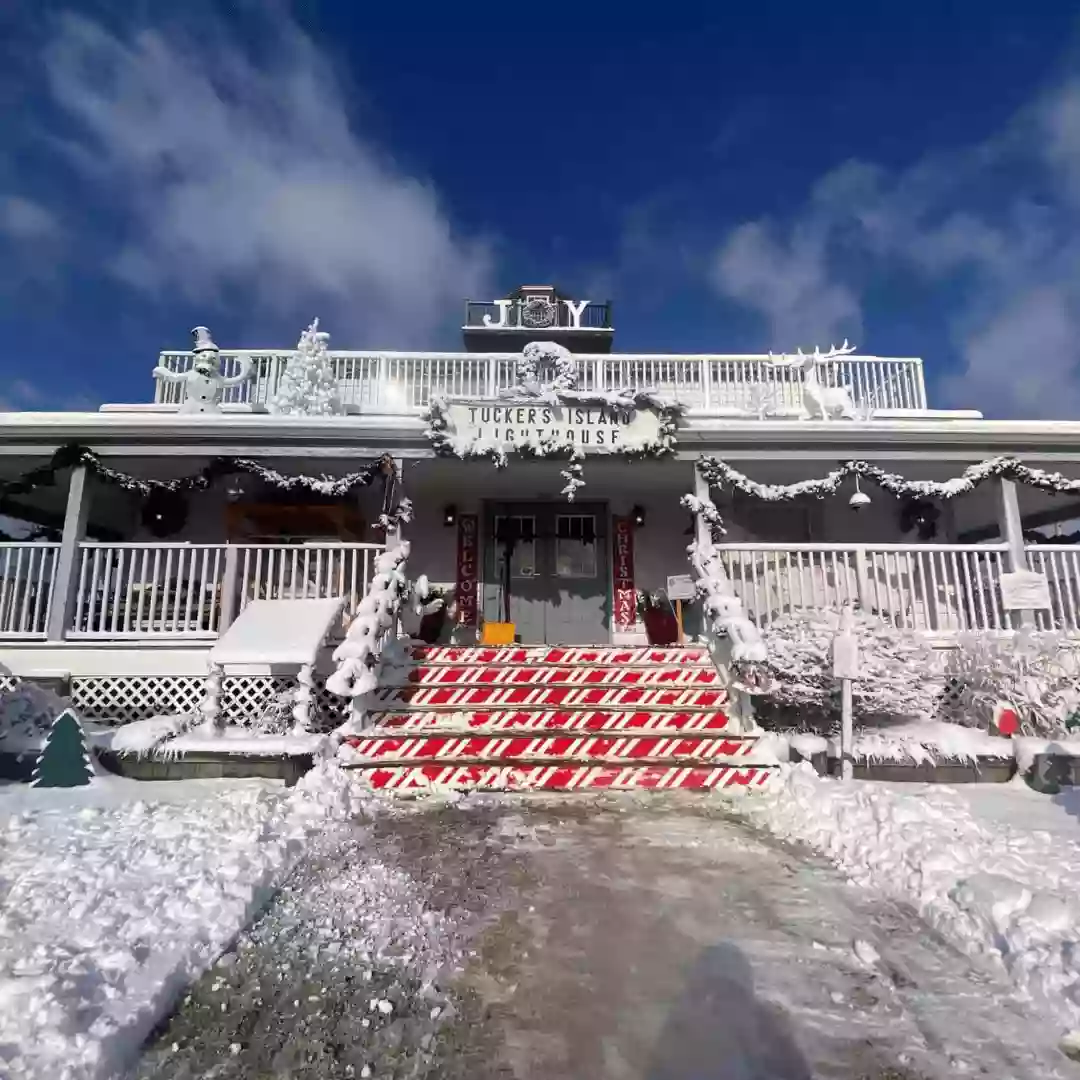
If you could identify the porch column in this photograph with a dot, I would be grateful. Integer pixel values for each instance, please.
(702, 532)
(394, 535)
(66, 576)
(1012, 532)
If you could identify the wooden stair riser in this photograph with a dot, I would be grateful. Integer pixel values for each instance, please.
(550, 654)
(445, 747)
(553, 674)
(563, 777)
(547, 696)
(559, 720)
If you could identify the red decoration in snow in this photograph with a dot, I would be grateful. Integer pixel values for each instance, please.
(622, 569)
(1006, 720)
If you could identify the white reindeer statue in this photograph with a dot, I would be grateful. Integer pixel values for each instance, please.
(821, 402)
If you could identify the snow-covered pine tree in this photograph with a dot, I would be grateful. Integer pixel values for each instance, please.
(308, 386)
(64, 761)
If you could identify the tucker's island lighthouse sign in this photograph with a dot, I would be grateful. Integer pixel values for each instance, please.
(545, 414)
(595, 428)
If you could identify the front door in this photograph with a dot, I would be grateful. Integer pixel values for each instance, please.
(558, 571)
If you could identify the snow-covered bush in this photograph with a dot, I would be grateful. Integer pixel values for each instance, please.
(901, 676)
(308, 385)
(1038, 674)
(27, 712)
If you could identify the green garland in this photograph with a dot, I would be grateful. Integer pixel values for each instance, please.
(717, 473)
(73, 455)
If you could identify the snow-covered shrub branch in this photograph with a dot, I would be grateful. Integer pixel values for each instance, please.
(376, 616)
(402, 514)
(27, 712)
(1037, 674)
(901, 676)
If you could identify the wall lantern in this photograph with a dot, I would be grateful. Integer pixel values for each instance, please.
(637, 515)
(449, 516)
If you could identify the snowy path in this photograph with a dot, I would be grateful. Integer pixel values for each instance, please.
(610, 938)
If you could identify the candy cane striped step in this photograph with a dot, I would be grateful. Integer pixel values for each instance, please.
(594, 748)
(517, 675)
(546, 654)
(714, 721)
(563, 777)
(460, 698)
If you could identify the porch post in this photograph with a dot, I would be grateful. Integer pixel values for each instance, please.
(702, 532)
(394, 535)
(1012, 532)
(66, 577)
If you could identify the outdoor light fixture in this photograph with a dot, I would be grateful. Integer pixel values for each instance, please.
(860, 498)
(449, 515)
(638, 516)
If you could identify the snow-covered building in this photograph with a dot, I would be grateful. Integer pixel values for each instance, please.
(539, 477)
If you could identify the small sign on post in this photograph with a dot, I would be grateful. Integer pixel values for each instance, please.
(1025, 590)
(846, 668)
(680, 587)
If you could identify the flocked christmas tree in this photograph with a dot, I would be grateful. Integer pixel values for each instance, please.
(64, 761)
(308, 386)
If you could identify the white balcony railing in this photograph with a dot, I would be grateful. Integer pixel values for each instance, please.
(180, 590)
(26, 588)
(928, 588)
(406, 383)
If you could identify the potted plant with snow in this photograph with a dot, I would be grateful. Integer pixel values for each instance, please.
(661, 626)
(433, 614)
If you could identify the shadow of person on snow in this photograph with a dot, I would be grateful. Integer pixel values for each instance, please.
(719, 1030)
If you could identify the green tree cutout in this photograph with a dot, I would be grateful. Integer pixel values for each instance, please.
(64, 761)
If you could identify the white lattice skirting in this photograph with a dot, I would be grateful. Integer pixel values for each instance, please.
(120, 699)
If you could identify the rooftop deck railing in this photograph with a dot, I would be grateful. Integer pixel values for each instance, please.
(406, 383)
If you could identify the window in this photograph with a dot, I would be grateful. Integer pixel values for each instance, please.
(516, 531)
(575, 545)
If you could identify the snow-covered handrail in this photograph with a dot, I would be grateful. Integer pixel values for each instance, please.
(375, 617)
(723, 610)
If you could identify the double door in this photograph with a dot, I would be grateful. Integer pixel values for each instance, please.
(546, 565)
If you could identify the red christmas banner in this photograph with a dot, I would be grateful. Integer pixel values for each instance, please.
(622, 572)
(467, 554)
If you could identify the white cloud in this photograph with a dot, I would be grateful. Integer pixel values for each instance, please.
(995, 226)
(242, 175)
(24, 219)
(788, 281)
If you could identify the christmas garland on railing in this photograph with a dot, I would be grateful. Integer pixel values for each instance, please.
(72, 455)
(717, 473)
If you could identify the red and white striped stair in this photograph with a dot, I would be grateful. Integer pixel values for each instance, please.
(525, 718)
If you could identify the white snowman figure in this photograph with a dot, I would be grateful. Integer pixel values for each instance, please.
(204, 383)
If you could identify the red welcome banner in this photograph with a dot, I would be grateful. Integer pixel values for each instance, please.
(467, 553)
(622, 572)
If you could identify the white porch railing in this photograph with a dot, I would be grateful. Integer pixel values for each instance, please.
(405, 383)
(180, 590)
(26, 588)
(306, 572)
(1061, 565)
(929, 588)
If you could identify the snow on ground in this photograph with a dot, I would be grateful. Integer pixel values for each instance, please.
(997, 871)
(114, 897)
(917, 743)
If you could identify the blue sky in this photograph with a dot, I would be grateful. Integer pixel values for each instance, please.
(776, 175)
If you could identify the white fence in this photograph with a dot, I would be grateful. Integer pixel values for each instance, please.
(181, 590)
(406, 383)
(930, 588)
(26, 588)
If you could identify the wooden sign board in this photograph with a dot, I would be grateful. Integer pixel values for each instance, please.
(681, 587)
(1024, 590)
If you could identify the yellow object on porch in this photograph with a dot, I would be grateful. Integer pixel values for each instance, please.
(498, 633)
